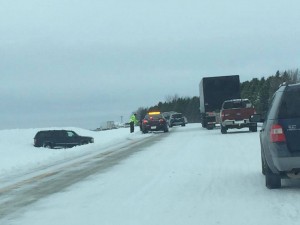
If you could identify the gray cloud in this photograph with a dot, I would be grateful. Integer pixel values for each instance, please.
(81, 62)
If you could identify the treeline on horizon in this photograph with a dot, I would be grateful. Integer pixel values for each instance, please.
(258, 91)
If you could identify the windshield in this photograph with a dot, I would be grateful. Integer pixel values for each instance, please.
(71, 134)
(177, 115)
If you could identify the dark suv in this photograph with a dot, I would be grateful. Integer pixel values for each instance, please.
(60, 139)
(176, 119)
(280, 137)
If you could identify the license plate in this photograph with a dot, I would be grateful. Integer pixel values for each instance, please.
(153, 127)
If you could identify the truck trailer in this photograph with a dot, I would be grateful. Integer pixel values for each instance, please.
(213, 91)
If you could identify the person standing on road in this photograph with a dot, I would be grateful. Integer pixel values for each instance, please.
(133, 121)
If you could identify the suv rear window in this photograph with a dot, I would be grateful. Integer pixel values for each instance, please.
(177, 115)
(290, 104)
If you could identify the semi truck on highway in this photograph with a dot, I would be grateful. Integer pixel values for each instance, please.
(213, 92)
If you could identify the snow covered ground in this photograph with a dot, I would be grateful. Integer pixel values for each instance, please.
(191, 176)
(18, 152)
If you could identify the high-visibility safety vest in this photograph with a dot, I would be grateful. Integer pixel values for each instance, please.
(133, 119)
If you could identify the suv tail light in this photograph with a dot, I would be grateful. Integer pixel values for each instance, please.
(161, 120)
(276, 134)
(145, 121)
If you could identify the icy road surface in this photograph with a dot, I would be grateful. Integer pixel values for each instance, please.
(190, 176)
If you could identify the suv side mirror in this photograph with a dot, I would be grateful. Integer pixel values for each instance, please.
(256, 118)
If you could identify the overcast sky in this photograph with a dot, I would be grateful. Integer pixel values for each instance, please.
(80, 63)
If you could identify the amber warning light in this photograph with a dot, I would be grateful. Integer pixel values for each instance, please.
(154, 113)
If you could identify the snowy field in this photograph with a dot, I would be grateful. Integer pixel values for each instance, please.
(191, 176)
(18, 152)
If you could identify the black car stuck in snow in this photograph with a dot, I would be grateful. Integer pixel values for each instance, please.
(60, 139)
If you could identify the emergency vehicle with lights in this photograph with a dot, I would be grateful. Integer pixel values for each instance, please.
(154, 121)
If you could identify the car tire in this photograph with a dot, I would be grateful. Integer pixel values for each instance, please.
(48, 145)
(223, 130)
(210, 127)
(183, 125)
(253, 128)
(273, 181)
(145, 131)
(204, 123)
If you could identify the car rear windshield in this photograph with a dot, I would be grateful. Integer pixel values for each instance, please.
(237, 104)
(290, 104)
(177, 115)
(154, 117)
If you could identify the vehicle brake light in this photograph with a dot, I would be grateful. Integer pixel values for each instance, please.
(276, 134)
(145, 121)
(161, 120)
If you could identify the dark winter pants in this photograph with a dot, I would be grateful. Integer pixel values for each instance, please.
(131, 127)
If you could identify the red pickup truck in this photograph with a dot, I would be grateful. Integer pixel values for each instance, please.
(235, 113)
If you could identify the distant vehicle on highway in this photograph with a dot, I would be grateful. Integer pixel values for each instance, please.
(167, 115)
(176, 119)
(60, 139)
(154, 121)
(235, 113)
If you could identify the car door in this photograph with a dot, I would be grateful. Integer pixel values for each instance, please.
(61, 138)
(72, 138)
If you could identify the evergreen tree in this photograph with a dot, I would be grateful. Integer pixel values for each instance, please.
(258, 91)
